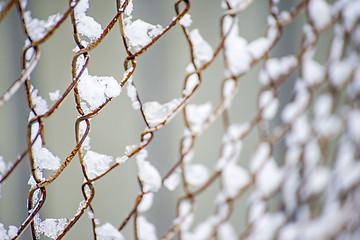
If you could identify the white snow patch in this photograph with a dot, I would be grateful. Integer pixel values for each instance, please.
(192, 81)
(52, 227)
(3, 166)
(36, 28)
(340, 71)
(203, 52)
(95, 90)
(353, 88)
(300, 131)
(8, 234)
(276, 67)
(40, 104)
(186, 20)
(267, 226)
(202, 230)
(173, 180)
(290, 190)
(236, 48)
(234, 178)
(227, 232)
(261, 154)
(319, 13)
(108, 232)
(269, 178)
(294, 108)
(146, 202)
(185, 215)
(353, 124)
(132, 93)
(86, 26)
(129, 149)
(197, 114)
(323, 105)
(146, 230)
(44, 159)
(351, 14)
(269, 104)
(148, 174)
(140, 33)
(312, 71)
(315, 182)
(256, 210)
(157, 113)
(196, 174)
(96, 163)
(259, 47)
(54, 96)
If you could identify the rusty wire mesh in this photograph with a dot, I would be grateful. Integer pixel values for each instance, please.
(302, 180)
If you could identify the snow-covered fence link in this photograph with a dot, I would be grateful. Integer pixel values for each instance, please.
(302, 178)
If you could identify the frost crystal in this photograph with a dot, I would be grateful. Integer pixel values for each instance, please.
(96, 163)
(108, 232)
(86, 26)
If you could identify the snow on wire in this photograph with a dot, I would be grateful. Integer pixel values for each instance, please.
(292, 162)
